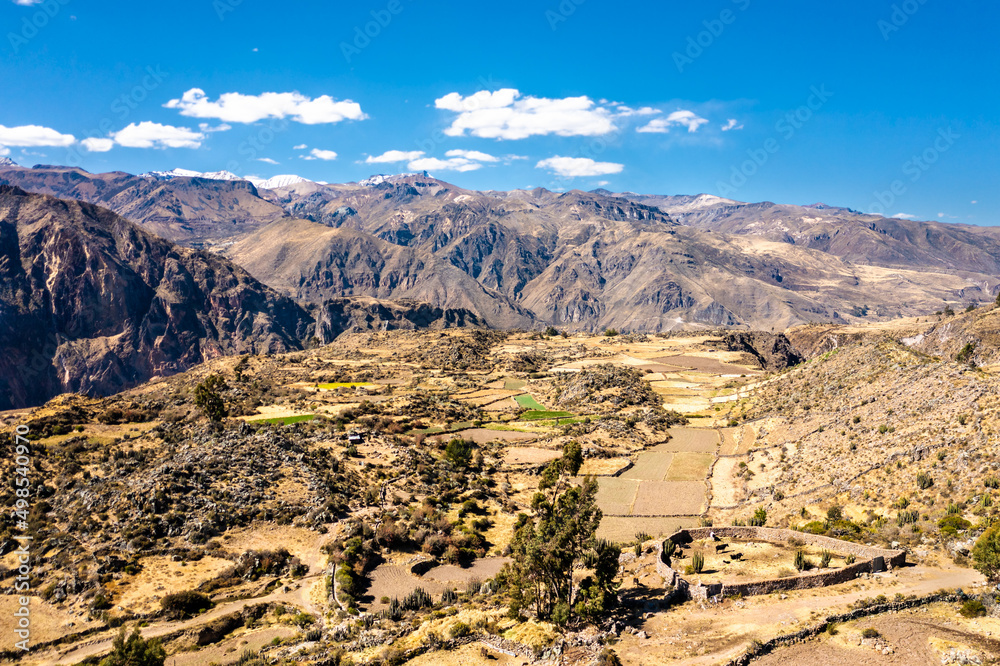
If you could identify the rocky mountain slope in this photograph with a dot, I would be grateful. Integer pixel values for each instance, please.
(89, 302)
(847, 234)
(196, 212)
(92, 303)
(586, 261)
(580, 260)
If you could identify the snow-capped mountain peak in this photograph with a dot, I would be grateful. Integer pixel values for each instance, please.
(187, 173)
(277, 181)
(6, 161)
(386, 178)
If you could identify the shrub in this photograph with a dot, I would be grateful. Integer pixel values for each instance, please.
(825, 559)
(607, 657)
(850, 559)
(870, 633)
(924, 481)
(834, 514)
(208, 399)
(459, 452)
(134, 650)
(965, 355)
(973, 608)
(759, 518)
(953, 524)
(986, 553)
(610, 333)
(188, 603)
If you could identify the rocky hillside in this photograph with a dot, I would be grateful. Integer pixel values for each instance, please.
(92, 303)
(195, 212)
(584, 261)
(847, 234)
(340, 316)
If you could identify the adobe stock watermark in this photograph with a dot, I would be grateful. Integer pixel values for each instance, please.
(121, 109)
(19, 512)
(786, 128)
(591, 150)
(901, 15)
(256, 142)
(471, 104)
(562, 12)
(704, 40)
(31, 26)
(914, 169)
(364, 35)
(223, 7)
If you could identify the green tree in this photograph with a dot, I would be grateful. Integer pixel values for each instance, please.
(559, 538)
(986, 554)
(134, 650)
(208, 399)
(459, 452)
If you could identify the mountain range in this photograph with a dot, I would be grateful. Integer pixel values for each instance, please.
(207, 264)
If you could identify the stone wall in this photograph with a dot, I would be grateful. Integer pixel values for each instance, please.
(872, 559)
(811, 632)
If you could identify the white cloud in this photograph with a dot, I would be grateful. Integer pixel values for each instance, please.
(904, 216)
(267, 160)
(688, 119)
(458, 160)
(154, 135)
(626, 111)
(301, 146)
(391, 156)
(4, 152)
(33, 135)
(974, 203)
(732, 124)
(505, 114)
(317, 154)
(205, 127)
(240, 108)
(435, 164)
(573, 167)
(27, 3)
(474, 155)
(96, 145)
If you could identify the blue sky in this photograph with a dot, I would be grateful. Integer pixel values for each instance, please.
(878, 105)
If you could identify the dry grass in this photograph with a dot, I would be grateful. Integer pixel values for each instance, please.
(668, 498)
(615, 496)
(689, 467)
(604, 466)
(159, 577)
(650, 467)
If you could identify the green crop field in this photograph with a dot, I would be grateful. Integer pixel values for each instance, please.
(528, 402)
(539, 415)
(287, 420)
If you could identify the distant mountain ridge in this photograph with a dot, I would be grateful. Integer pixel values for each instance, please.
(581, 260)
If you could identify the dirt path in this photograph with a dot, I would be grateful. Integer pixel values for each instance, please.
(299, 595)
